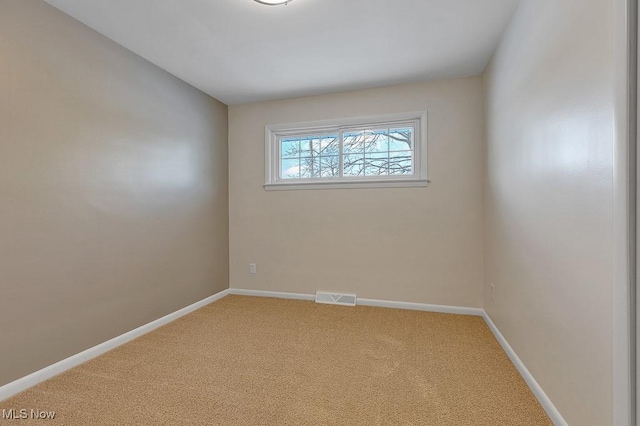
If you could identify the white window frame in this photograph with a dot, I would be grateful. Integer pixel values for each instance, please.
(274, 132)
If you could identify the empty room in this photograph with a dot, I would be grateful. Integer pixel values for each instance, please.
(318, 212)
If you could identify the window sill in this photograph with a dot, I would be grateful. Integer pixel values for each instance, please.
(396, 183)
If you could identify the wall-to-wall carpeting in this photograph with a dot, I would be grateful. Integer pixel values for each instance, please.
(250, 360)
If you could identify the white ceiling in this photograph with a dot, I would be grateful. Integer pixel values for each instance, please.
(240, 51)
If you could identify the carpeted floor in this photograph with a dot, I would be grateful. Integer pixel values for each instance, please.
(258, 361)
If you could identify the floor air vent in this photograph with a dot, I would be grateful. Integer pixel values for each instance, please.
(336, 298)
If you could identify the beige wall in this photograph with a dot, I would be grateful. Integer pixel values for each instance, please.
(407, 244)
(113, 178)
(548, 200)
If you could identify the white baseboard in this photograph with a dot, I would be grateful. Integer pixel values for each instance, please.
(366, 302)
(46, 373)
(542, 397)
(274, 294)
(443, 309)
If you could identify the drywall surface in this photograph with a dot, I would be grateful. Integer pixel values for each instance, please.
(548, 200)
(113, 177)
(407, 244)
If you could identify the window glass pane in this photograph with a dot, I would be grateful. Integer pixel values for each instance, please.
(369, 140)
(326, 145)
(353, 142)
(386, 151)
(315, 163)
(305, 146)
(377, 141)
(401, 154)
(401, 138)
(353, 165)
(290, 169)
(315, 147)
(329, 145)
(376, 167)
(400, 163)
(400, 168)
(377, 164)
(377, 155)
(289, 148)
(310, 167)
(330, 166)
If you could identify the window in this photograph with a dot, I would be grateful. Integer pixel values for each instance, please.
(374, 152)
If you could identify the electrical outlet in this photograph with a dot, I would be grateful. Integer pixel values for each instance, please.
(493, 292)
(252, 268)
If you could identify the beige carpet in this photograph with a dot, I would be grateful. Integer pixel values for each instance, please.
(258, 361)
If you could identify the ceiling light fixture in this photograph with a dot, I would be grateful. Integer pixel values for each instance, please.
(273, 2)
